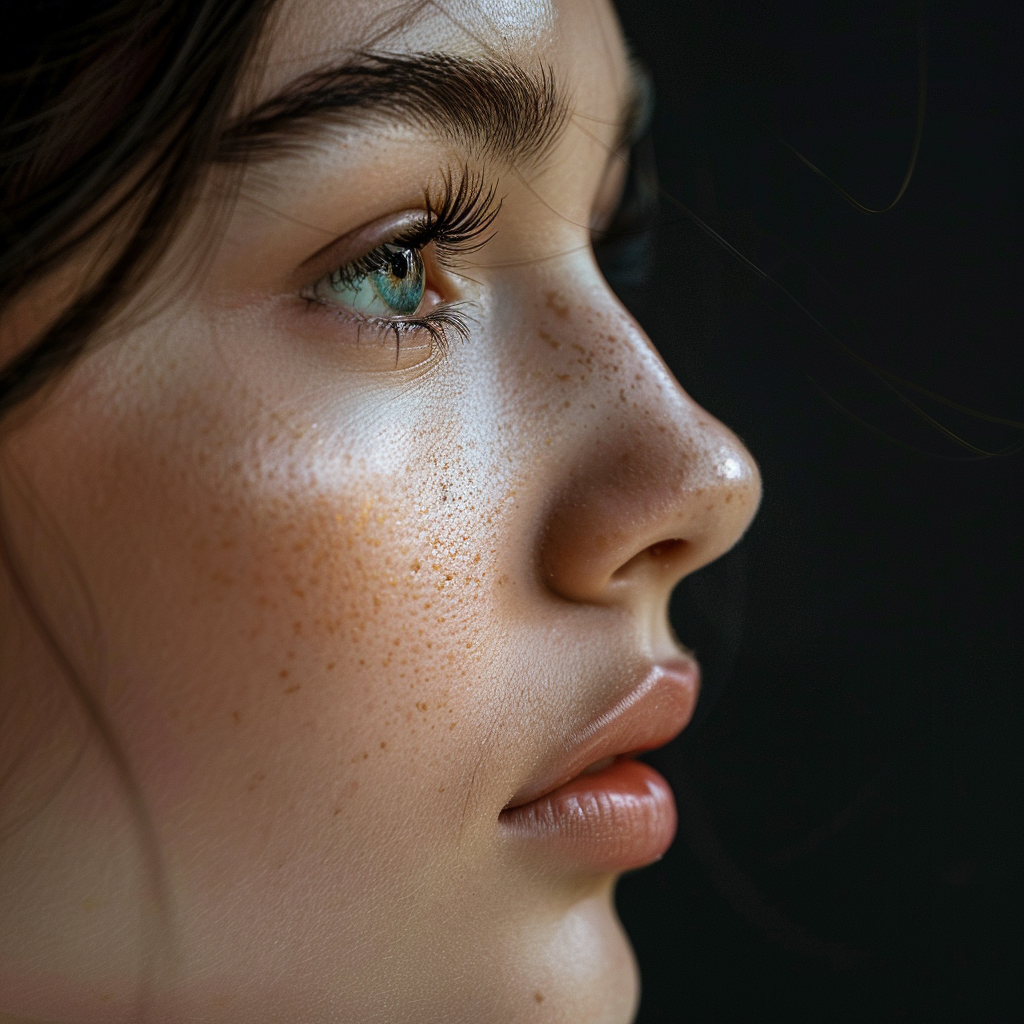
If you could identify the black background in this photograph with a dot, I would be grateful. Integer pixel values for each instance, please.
(849, 796)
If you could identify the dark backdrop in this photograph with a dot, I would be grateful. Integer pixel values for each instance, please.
(849, 798)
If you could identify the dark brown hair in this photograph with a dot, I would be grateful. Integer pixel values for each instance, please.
(94, 95)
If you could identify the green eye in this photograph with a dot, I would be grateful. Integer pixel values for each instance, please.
(392, 280)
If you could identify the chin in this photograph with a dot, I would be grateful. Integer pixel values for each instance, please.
(577, 967)
(561, 961)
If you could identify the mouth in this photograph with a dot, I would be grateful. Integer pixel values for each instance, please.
(596, 807)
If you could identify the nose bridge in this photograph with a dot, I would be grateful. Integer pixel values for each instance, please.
(651, 486)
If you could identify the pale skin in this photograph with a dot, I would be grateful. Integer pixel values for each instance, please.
(336, 602)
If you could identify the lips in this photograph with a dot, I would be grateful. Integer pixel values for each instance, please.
(595, 807)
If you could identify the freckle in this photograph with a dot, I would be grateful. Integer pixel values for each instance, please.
(294, 688)
(337, 810)
(236, 716)
(538, 997)
(330, 665)
(383, 745)
(283, 673)
(557, 304)
(451, 726)
(440, 789)
(366, 754)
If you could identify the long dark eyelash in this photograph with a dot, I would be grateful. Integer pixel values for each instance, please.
(443, 324)
(456, 220)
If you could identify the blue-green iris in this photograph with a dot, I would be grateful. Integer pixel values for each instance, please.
(395, 286)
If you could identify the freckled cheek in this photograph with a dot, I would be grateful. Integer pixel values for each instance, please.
(322, 648)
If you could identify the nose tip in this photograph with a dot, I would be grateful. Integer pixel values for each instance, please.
(655, 502)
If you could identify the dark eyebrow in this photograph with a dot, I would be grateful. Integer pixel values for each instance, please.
(491, 105)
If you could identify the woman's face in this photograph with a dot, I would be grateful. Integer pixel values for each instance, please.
(345, 590)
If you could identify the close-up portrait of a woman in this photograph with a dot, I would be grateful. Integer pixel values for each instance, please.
(355, 376)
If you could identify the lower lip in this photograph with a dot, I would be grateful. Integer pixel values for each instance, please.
(617, 819)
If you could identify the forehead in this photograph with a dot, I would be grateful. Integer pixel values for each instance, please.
(307, 34)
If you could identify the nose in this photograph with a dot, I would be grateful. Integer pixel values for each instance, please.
(652, 487)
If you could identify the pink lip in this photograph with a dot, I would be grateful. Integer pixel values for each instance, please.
(622, 816)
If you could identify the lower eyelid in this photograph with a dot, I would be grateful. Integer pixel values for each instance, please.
(442, 324)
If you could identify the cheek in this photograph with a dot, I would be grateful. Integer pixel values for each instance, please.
(298, 626)
(324, 666)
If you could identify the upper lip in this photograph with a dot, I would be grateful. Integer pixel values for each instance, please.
(648, 715)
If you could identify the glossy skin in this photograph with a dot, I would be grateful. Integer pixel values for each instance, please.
(338, 607)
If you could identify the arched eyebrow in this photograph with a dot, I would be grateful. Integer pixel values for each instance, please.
(490, 105)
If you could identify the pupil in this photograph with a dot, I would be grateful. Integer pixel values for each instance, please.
(400, 263)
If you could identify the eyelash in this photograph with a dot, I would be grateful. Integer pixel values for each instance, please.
(456, 221)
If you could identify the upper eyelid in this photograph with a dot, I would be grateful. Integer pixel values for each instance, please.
(360, 242)
(456, 218)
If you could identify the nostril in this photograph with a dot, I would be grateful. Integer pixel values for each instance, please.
(665, 549)
(664, 553)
